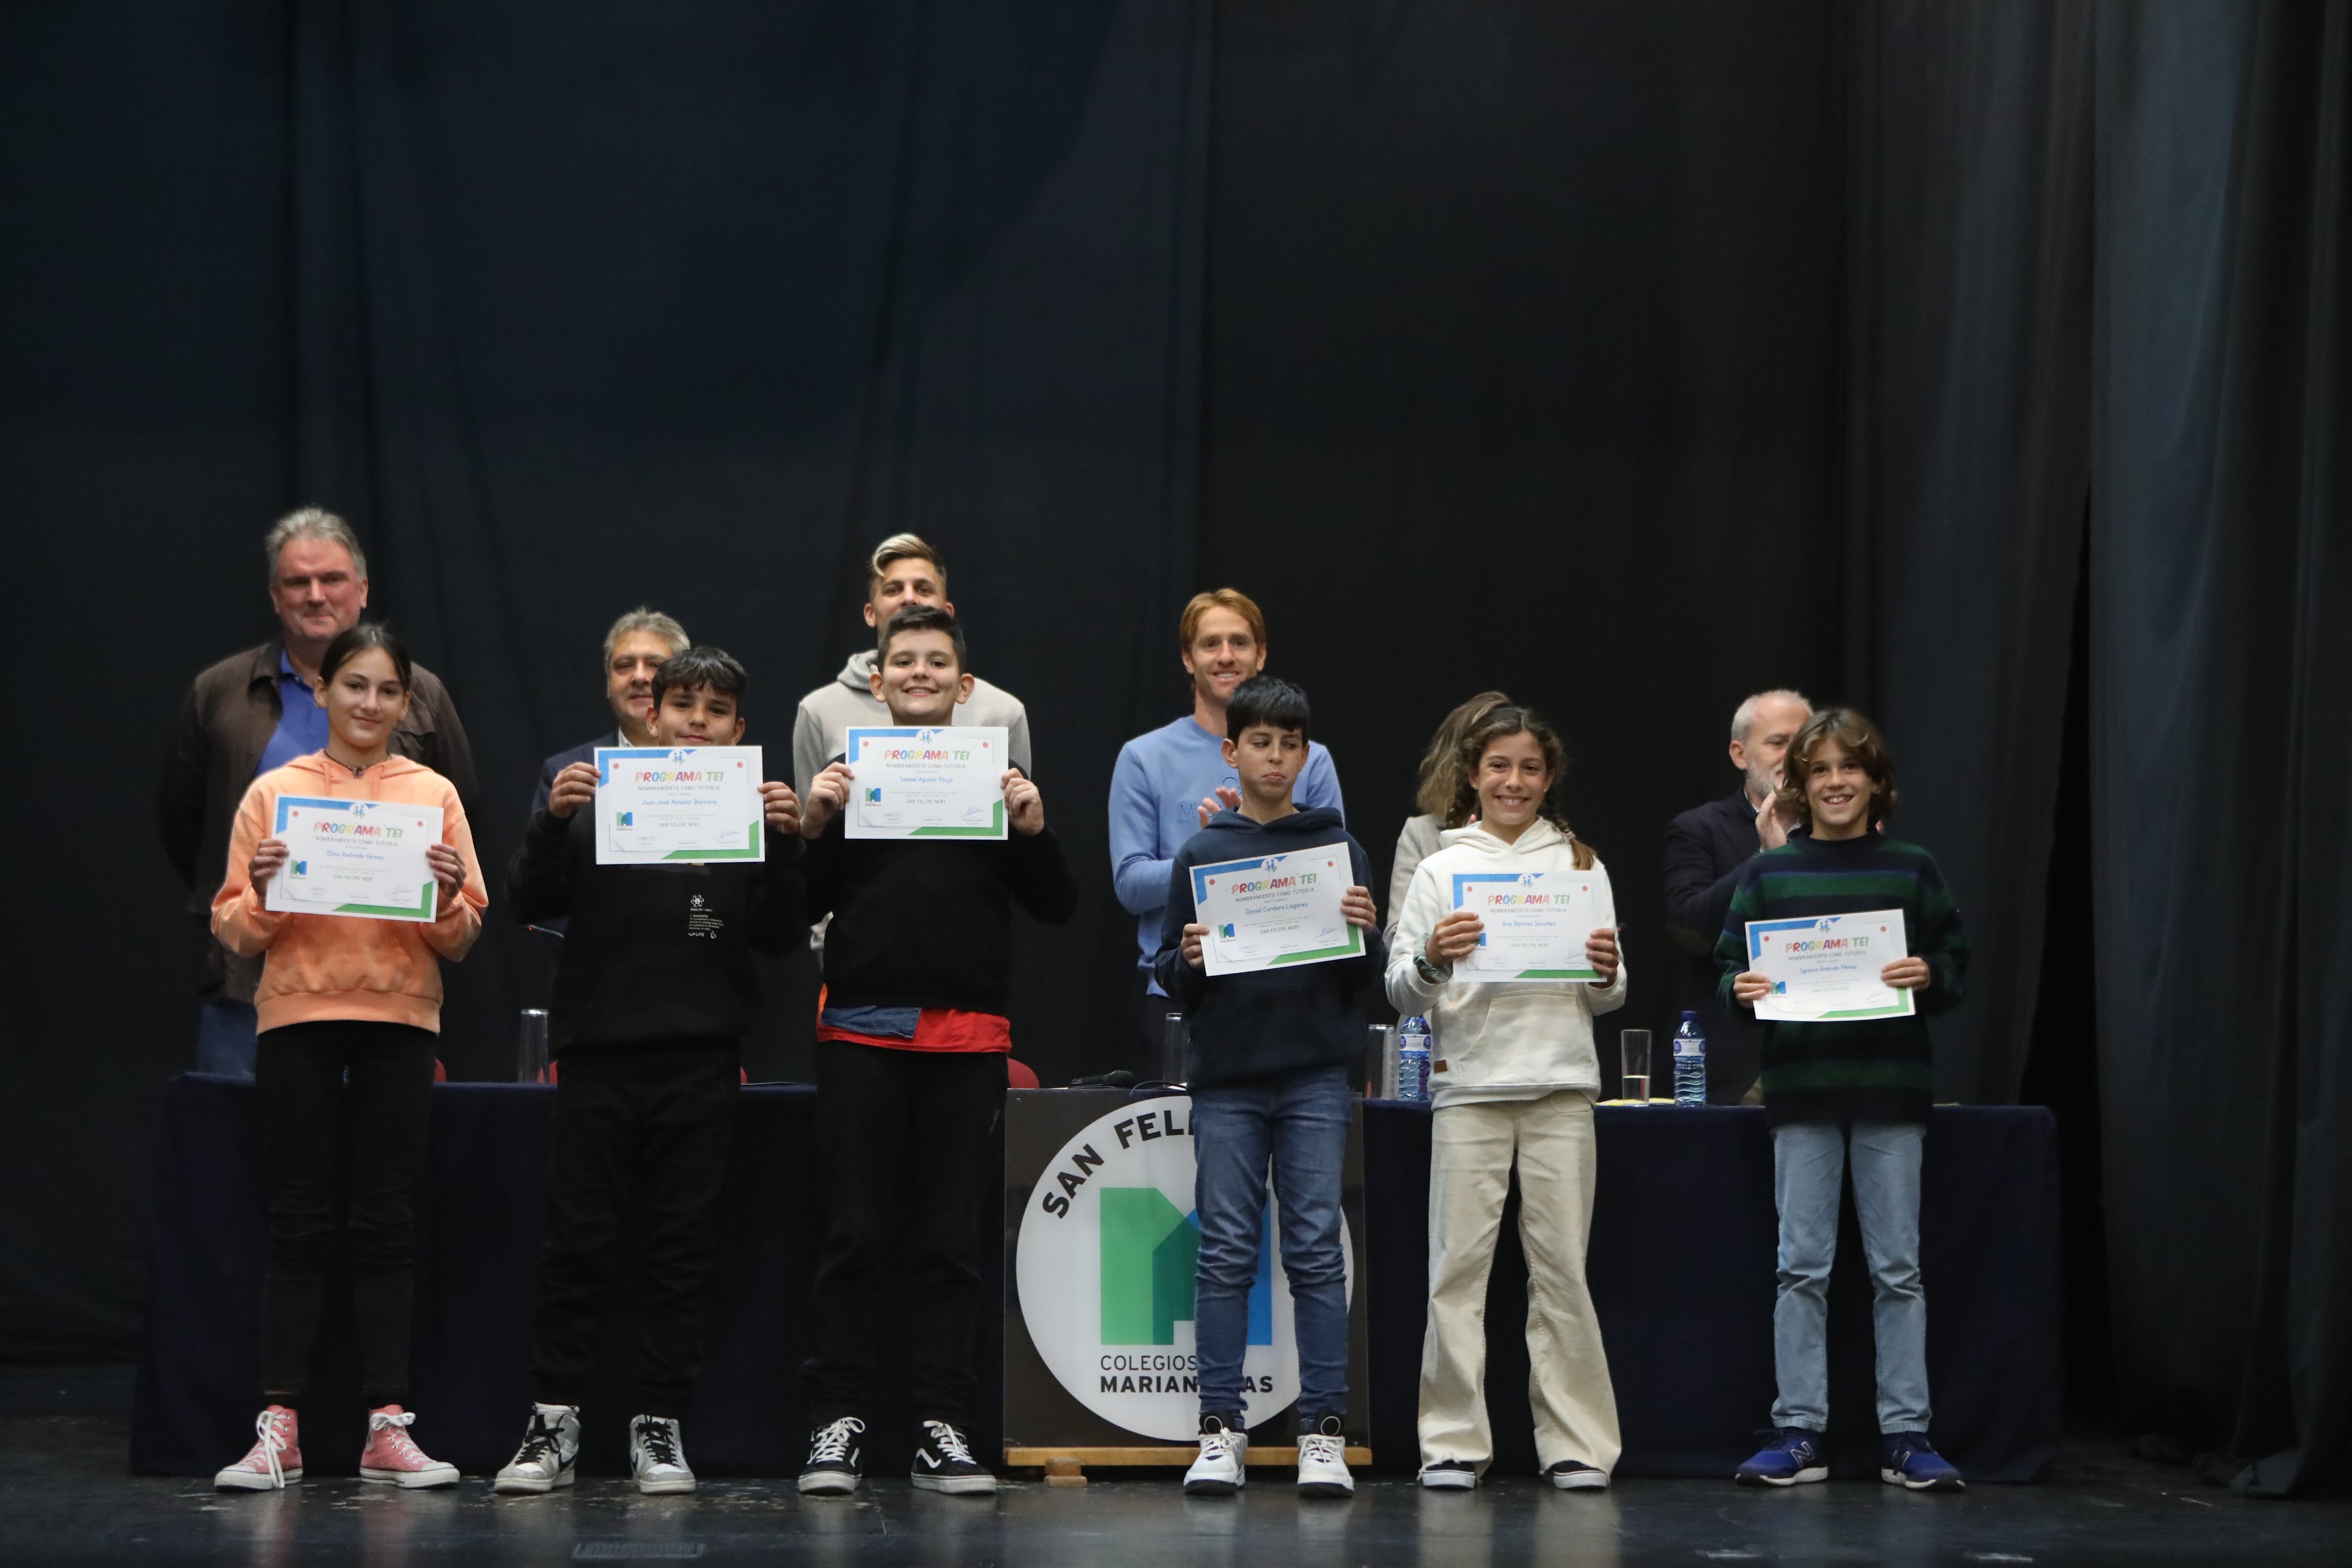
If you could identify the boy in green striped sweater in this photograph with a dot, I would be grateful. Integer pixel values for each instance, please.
(1863, 1085)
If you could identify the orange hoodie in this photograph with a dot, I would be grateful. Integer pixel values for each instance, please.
(343, 966)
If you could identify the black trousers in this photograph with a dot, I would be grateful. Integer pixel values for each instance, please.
(306, 1076)
(904, 1140)
(641, 1140)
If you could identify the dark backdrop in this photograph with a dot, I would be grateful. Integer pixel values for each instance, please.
(1630, 357)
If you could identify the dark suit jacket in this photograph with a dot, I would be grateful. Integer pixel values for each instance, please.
(1705, 847)
(585, 752)
(228, 718)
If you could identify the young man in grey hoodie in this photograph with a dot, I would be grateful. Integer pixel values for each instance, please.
(904, 571)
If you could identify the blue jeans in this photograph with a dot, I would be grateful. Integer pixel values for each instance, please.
(1300, 1122)
(225, 1038)
(1808, 1158)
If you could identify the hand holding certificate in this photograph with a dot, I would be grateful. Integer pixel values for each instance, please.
(943, 781)
(1533, 925)
(685, 803)
(1827, 968)
(366, 859)
(1276, 910)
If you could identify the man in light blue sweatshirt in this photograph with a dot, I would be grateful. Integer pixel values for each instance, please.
(1170, 779)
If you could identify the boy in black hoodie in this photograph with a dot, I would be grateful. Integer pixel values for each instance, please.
(1270, 1049)
(910, 1058)
(653, 997)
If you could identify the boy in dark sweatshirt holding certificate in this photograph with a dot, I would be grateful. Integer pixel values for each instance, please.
(1848, 1089)
(653, 997)
(910, 1054)
(1271, 1048)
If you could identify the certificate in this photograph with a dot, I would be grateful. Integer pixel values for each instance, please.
(1276, 910)
(363, 858)
(1824, 969)
(689, 803)
(942, 783)
(1536, 923)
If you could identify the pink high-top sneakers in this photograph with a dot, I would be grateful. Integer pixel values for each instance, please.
(393, 1459)
(274, 1461)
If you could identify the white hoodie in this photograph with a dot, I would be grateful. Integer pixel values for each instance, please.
(1520, 1040)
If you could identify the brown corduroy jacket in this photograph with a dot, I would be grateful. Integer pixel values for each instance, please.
(231, 711)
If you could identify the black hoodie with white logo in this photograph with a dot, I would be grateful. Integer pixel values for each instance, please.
(1270, 1021)
(654, 953)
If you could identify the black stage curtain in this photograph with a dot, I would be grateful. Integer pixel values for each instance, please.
(569, 306)
(1628, 357)
(2220, 679)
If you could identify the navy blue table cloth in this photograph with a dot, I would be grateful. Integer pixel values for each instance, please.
(1681, 1267)
(481, 1213)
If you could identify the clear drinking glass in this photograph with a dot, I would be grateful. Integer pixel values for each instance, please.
(530, 1051)
(1634, 1062)
(1381, 1062)
(1176, 1049)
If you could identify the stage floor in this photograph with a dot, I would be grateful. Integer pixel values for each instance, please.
(66, 1497)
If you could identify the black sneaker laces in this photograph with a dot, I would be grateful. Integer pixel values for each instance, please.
(950, 1443)
(542, 1442)
(659, 1439)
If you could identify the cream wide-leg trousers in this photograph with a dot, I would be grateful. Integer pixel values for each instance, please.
(1472, 1148)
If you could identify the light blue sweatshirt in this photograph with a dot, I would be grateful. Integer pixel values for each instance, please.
(1155, 805)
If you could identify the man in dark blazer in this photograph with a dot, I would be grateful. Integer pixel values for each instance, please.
(1705, 847)
(256, 711)
(640, 643)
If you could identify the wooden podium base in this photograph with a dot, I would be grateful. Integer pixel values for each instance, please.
(1169, 1454)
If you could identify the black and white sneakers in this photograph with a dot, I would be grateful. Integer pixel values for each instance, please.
(1323, 1461)
(549, 1454)
(657, 1456)
(943, 1463)
(1576, 1476)
(1223, 1467)
(1450, 1476)
(832, 1467)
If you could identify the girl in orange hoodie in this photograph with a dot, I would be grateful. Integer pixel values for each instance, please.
(345, 1000)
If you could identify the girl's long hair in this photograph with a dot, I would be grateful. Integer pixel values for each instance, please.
(1500, 723)
(1440, 791)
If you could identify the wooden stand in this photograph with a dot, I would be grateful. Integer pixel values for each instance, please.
(1065, 1467)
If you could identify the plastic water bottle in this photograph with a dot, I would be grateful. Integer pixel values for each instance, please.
(1412, 1059)
(1690, 1062)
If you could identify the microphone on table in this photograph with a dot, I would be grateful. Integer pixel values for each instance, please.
(1120, 1079)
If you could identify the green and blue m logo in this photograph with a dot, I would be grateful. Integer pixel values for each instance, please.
(1149, 1252)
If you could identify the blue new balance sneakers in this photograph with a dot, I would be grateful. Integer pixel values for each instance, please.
(1908, 1460)
(1793, 1455)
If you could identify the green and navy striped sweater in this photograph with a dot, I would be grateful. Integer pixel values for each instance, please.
(1869, 1070)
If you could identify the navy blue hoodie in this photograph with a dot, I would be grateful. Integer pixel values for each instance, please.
(1276, 1020)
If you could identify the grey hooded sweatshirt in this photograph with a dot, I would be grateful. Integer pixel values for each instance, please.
(819, 730)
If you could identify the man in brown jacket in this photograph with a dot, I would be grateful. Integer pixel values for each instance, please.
(254, 711)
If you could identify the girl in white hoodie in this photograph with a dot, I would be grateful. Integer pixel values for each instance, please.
(1514, 1080)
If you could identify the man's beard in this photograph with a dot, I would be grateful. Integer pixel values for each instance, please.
(1761, 784)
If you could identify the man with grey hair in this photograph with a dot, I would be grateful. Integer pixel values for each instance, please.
(638, 644)
(904, 571)
(1705, 847)
(259, 709)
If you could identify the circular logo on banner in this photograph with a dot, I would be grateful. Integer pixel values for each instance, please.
(1105, 1270)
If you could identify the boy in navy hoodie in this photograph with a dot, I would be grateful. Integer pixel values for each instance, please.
(1270, 1049)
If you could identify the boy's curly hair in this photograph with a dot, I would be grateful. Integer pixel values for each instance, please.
(1859, 739)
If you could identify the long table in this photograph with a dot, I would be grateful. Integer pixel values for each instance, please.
(1681, 1268)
